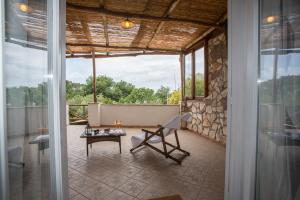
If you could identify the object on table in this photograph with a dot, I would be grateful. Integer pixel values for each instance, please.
(96, 132)
(118, 123)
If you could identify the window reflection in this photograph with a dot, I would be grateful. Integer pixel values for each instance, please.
(278, 164)
(26, 85)
(199, 72)
(188, 75)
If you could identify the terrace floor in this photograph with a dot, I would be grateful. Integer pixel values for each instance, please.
(108, 175)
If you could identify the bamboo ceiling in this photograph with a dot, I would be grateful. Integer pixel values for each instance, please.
(160, 26)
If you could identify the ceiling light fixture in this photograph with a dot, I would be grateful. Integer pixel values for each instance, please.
(127, 24)
(271, 19)
(24, 7)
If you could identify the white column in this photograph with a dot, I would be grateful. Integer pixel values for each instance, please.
(94, 115)
(67, 115)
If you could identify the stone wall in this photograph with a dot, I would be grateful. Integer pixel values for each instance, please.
(210, 113)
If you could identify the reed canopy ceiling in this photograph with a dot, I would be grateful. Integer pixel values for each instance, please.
(159, 26)
(156, 26)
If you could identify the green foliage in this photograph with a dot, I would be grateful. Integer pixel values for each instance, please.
(188, 87)
(162, 94)
(121, 89)
(27, 96)
(73, 89)
(140, 95)
(199, 85)
(109, 92)
(175, 97)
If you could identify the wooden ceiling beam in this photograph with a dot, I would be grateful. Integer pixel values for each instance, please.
(105, 30)
(68, 49)
(141, 33)
(202, 36)
(120, 55)
(105, 11)
(102, 6)
(170, 9)
(122, 47)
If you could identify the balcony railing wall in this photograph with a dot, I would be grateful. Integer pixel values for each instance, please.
(131, 114)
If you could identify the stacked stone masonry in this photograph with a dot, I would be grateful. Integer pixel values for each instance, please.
(210, 113)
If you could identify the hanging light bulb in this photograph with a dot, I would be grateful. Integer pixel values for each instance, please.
(127, 24)
(24, 7)
(270, 19)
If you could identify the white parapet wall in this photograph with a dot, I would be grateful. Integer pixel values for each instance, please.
(26, 120)
(133, 114)
(94, 117)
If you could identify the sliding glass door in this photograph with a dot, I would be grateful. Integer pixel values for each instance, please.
(31, 148)
(278, 154)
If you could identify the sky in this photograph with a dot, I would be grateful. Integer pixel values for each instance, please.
(151, 71)
(29, 68)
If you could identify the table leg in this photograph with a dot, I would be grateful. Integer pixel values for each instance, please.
(87, 148)
(120, 144)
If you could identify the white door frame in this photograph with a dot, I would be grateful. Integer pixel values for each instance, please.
(57, 99)
(243, 62)
(57, 116)
(3, 139)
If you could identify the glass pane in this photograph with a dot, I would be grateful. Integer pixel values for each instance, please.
(199, 68)
(278, 157)
(188, 75)
(26, 99)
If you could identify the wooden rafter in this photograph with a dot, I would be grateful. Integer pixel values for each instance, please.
(120, 55)
(105, 31)
(102, 6)
(123, 47)
(202, 36)
(69, 49)
(85, 29)
(136, 16)
(139, 36)
(166, 14)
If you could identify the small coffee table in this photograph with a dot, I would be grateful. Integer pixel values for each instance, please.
(113, 135)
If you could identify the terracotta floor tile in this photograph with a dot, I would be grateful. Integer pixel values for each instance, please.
(133, 187)
(107, 174)
(118, 195)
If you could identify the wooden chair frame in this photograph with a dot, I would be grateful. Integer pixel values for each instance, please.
(165, 152)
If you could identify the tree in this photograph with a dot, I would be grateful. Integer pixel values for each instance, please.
(73, 89)
(162, 94)
(188, 87)
(122, 89)
(199, 84)
(104, 86)
(27, 96)
(140, 95)
(175, 97)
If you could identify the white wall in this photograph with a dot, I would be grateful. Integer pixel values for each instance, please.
(26, 120)
(137, 115)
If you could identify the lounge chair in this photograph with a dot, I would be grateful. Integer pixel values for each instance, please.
(15, 156)
(146, 138)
